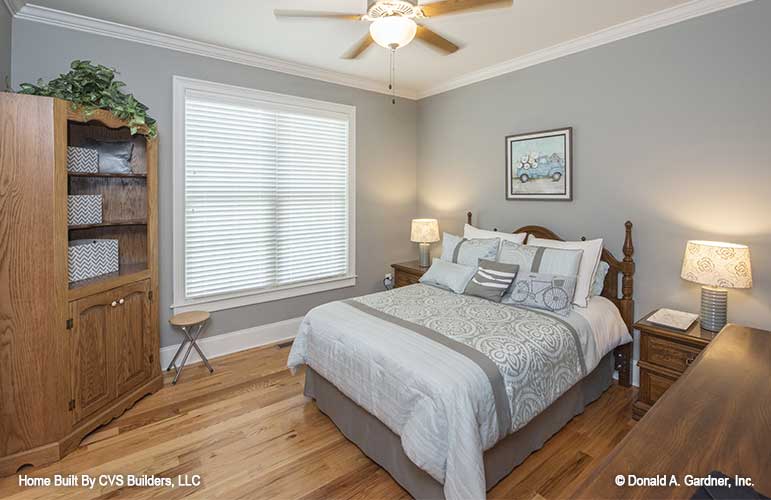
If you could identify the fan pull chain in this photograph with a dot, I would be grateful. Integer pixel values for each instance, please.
(392, 76)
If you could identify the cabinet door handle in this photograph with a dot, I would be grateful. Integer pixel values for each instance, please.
(113, 304)
(121, 301)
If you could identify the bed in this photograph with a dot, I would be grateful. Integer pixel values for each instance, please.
(450, 392)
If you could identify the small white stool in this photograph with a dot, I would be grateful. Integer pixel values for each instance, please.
(192, 325)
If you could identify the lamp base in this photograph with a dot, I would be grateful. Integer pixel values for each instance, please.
(425, 254)
(714, 304)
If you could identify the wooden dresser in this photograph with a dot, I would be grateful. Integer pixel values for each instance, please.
(665, 353)
(73, 355)
(407, 273)
(716, 416)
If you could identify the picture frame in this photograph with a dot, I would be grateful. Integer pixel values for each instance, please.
(539, 165)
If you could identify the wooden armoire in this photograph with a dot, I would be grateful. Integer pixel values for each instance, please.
(73, 356)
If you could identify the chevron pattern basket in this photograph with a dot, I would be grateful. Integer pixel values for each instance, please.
(91, 258)
(82, 160)
(84, 209)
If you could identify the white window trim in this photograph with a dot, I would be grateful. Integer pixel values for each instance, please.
(244, 298)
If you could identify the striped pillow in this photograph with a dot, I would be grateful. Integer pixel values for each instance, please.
(491, 280)
(468, 252)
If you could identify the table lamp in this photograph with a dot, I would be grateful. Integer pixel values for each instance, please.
(424, 232)
(716, 266)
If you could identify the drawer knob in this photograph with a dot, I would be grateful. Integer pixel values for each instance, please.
(113, 304)
(121, 301)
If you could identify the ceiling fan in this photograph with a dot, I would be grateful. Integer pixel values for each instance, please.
(393, 22)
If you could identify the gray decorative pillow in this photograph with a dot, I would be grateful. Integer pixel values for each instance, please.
(541, 259)
(114, 157)
(491, 280)
(551, 292)
(448, 275)
(468, 252)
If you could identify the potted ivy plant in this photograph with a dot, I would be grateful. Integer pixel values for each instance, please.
(90, 87)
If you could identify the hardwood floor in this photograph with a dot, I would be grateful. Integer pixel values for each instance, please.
(248, 431)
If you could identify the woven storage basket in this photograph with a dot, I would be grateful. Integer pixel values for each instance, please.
(91, 258)
(82, 160)
(84, 209)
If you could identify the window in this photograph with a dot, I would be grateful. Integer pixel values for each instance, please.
(263, 196)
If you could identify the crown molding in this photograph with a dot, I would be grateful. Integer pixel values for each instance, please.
(660, 19)
(13, 6)
(36, 13)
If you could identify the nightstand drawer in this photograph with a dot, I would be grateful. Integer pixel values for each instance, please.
(404, 279)
(667, 353)
(653, 385)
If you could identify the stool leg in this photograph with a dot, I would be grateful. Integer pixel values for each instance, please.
(176, 355)
(184, 359)
(195, 344)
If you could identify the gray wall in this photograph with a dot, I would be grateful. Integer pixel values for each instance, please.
(672, 130)
(385, 169)
(5, 46)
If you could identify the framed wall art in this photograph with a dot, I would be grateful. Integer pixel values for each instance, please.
(539, 165)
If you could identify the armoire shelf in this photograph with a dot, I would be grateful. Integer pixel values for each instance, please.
(101, 174)
(138, 222)
(127, 273)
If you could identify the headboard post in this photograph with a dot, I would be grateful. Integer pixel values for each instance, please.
(468, 218)
(623, 353)
(627, 281)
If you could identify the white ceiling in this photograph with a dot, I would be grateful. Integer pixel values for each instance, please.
(487, 38)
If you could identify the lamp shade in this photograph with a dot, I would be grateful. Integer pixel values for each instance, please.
(424, 231)
(393, 32)
(713, 263)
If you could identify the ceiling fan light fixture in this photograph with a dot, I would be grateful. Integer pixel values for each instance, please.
(393, 32)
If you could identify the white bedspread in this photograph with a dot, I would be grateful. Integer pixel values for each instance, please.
(437, 400)
(607, 326)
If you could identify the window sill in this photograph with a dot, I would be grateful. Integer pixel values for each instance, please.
(220, 303)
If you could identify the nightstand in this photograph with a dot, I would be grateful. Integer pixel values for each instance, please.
(665, 353)
(407, 273)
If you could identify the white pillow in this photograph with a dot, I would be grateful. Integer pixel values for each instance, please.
(472, 233)
(589, 262)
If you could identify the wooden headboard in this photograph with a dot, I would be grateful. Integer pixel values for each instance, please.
(623, 301)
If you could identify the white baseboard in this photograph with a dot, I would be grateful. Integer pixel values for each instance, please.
(228, 343)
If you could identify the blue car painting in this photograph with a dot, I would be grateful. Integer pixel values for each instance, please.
(540, 166)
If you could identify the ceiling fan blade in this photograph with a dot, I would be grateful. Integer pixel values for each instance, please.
(324, 15)
(360, 47)
(452, 6)
(438, 41)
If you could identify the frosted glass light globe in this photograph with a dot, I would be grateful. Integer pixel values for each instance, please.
(393, 32)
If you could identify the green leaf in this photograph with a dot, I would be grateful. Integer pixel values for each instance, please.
(91, 87)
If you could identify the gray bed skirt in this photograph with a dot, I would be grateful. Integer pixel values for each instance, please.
(384, 447)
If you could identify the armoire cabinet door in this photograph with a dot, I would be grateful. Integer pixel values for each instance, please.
(93, 383)
(132, 337)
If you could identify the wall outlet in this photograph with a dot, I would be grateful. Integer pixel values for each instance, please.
(388, 281)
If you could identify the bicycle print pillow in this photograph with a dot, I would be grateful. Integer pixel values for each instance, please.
(552, 292)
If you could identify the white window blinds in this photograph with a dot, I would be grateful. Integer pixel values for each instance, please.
(266, 195)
